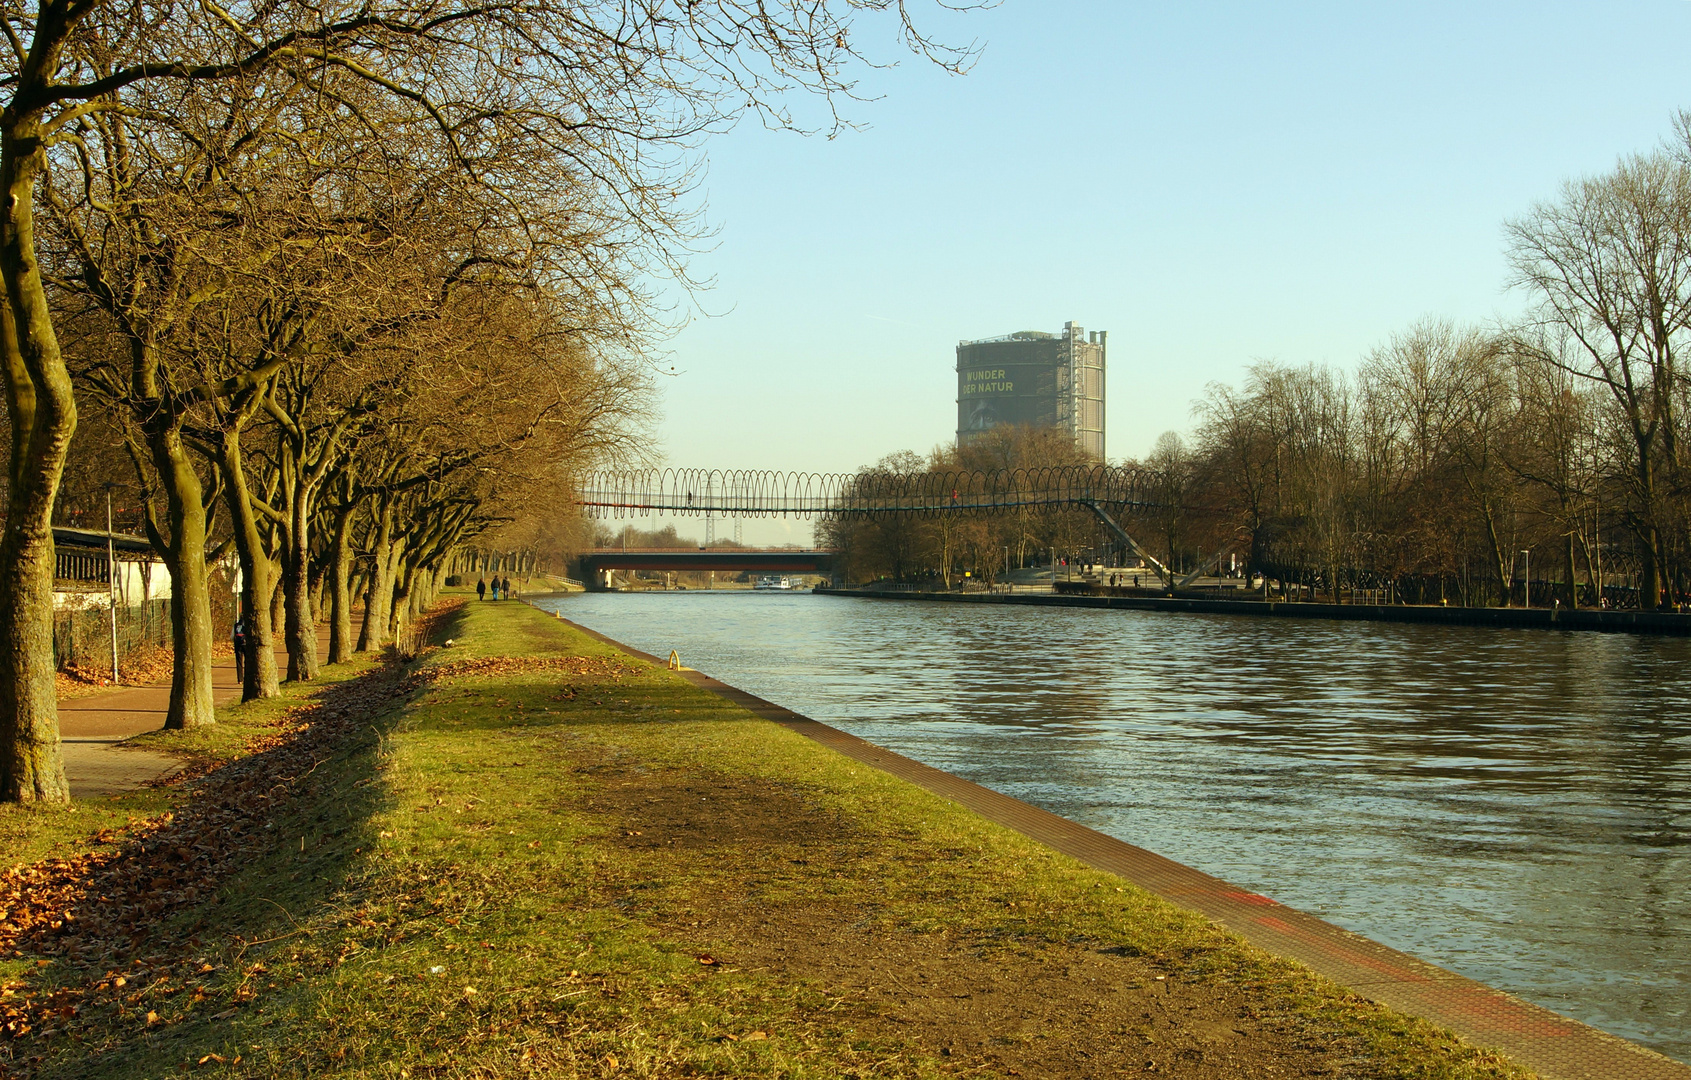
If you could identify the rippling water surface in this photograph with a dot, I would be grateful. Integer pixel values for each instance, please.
(1511, 804)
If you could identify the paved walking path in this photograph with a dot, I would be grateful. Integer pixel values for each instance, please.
(93, 728)
(1554, 1046)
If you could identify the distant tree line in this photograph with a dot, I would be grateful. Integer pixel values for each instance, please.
(1445, 464)
(633, 537)
(943, 547)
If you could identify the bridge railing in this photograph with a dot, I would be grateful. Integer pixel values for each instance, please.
(760, 493)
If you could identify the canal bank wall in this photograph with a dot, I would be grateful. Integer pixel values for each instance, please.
(1623, 622)
(1554, 1046)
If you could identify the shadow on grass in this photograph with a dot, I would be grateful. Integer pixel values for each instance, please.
(276, 926)
(141, 948)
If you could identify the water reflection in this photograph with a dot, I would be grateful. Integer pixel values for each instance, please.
(1515, 805)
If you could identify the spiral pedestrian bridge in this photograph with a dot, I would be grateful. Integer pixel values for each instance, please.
(756, 493)
(1107, 491)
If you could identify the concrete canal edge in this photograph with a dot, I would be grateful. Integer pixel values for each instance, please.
(1554, 1046)
(1627, 622)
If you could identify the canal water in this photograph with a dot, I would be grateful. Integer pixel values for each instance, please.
(1512, 804)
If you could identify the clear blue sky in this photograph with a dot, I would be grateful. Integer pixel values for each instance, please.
(1211, 183)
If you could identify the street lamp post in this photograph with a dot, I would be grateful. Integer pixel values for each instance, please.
(111, 580)
(1526, 579)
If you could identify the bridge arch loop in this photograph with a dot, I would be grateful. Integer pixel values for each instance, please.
(757, 493)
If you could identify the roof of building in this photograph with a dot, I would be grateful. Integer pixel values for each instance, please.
(1019, 335)
(89, 538)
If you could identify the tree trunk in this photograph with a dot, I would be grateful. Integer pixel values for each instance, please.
(393, 555)
(296, 588)
(1590, 569)
(191, 702)
(374, 633)
(1649, 536)
(257, 580)
(358, 582)
(1498, 562)
(340, 590)
(1571, 570)
(422, 591)
(400, 608)
(278, 606)
(369, 630)
(43, 416)
(1649, 584)
(318, 593)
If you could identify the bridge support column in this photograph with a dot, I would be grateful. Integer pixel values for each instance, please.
(1121, 534)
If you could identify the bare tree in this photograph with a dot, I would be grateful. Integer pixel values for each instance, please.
(1170, 465)
(1242, 462)
(1559, 454)
(614, 93)
(1609, 262)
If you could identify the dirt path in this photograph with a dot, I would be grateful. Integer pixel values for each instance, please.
(785, 902)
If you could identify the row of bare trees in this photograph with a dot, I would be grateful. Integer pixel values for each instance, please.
(943, 547)
(1453, 456)
(341, 286)
(1448, 462)
(1426, 473)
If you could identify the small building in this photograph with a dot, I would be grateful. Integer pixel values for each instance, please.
(1036, 379)
(82, 577)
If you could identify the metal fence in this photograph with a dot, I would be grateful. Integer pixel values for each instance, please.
(78, 564)
(83, 636)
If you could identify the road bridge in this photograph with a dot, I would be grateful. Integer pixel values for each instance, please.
(594, 564)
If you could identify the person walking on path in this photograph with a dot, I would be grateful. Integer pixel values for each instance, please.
(496, 586)
(239, 634)
(481, 589)
(508, 593)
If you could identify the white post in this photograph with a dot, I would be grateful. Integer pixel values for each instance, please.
(111, 581)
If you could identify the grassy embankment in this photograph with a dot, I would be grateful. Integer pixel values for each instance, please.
(534, 856)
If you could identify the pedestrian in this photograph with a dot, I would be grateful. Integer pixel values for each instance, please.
(239, 635)
(481, 589)
(495, 586)
(506, 585)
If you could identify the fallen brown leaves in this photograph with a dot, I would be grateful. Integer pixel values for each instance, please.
(603, 667)
(149, 666)
(98, 909)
